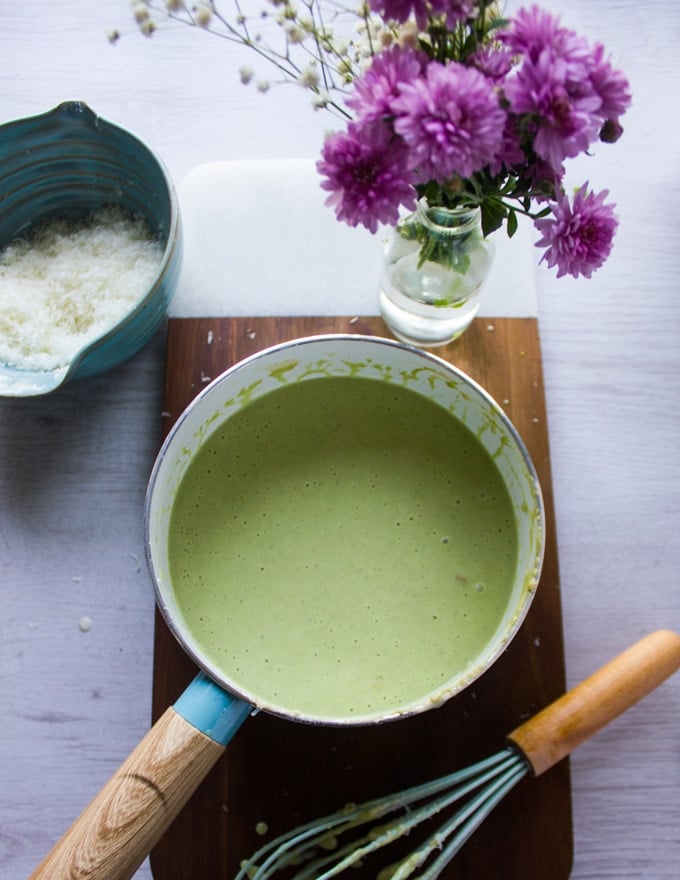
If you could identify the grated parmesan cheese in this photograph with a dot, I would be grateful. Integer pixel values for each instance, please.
(70, 282)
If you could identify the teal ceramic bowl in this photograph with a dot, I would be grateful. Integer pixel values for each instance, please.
(66, 163)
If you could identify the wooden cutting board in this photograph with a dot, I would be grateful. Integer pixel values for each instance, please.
(282, 773)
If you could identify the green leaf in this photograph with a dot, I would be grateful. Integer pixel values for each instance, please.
(493, 215)
(432, 192)
(469, 46)
(425, 47)
(509, 187)
(496, 23)
(512, 224)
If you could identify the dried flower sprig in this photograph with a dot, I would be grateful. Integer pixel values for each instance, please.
(321, 47)
(443, 99)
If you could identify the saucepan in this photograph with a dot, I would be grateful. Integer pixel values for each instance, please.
(341, 530)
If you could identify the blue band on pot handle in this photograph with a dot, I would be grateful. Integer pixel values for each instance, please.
(212, 710)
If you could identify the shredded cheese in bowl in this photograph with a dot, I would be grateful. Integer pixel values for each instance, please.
(70, 282)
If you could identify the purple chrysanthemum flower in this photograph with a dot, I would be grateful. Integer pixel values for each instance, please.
(565, 125)
(368, 174)
(454, 10)
(452, 121)
(539, 39)
(492, 61)
(400, 10)
(568, 89)
(578, 236)
(531, 31)
(377, 87)
(609, 84)
(510, 153)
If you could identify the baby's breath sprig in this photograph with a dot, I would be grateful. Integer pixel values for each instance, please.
(322, 47)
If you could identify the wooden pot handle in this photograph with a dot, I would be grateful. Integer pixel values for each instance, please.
(115, 833)
(556, 731)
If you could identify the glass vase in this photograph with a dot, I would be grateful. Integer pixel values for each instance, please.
(435, 263)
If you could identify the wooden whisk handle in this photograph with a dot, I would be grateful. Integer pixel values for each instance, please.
(558, 729)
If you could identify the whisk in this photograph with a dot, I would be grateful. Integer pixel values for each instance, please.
(316, 851)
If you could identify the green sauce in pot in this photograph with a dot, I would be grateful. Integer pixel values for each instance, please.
(342, 547)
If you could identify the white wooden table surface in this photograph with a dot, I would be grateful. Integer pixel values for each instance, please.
(74, 466)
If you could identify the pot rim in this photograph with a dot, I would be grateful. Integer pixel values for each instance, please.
(453, 686)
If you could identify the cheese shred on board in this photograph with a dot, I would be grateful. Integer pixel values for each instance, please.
(71, 281)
